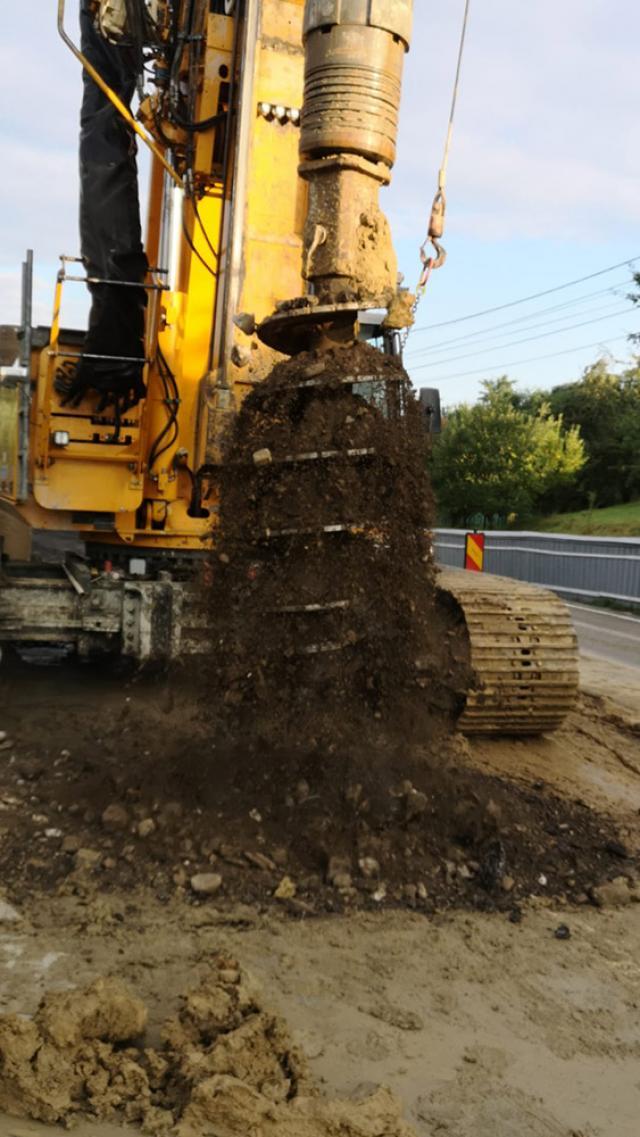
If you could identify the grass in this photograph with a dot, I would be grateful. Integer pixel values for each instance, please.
(613, 521)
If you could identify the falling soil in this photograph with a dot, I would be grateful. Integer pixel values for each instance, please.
(225, 1066)
(323, 594)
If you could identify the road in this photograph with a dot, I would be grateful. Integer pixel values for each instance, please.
(607, 635)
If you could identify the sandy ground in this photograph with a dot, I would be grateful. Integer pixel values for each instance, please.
(482, 1027)
(595, 756)
(603, 678)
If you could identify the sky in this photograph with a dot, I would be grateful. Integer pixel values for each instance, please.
(543, 182)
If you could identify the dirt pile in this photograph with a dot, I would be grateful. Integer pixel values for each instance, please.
(123, 795)
(323, 586)
(225, 1067)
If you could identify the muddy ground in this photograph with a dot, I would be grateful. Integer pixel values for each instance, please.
(489, 1006)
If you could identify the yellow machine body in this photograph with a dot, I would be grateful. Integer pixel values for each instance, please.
(263, 228)
(241, 252)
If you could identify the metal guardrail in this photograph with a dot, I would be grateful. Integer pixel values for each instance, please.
(605, 568)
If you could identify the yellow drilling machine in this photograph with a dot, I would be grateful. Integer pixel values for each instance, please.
(272, 127)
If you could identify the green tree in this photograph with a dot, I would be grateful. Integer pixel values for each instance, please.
(495, 459)
(606, 408)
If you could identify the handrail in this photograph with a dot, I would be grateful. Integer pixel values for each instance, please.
(113, 98)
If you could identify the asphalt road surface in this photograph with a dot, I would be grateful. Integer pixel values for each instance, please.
(607, 635)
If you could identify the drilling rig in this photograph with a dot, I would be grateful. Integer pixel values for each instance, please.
(272, 129)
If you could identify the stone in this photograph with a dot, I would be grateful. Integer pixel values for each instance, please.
(115, 818)
(339, 872)
(240, 355)
(8, 914)
(369, 867)
(206, 883)
(302, 791)
(231, 856)
(494, 811)
(353, 793)
(261, 861)
(422, 891)
(314, 369)
(415, 804)
(146, 827)
(613, 893)
(563, 932)
(246, 321)
(507, 884)
(71, 844)
(87, 858)
(286, 890)
(262, 457)
(450, 871)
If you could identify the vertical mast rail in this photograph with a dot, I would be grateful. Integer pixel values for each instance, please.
(24, 405)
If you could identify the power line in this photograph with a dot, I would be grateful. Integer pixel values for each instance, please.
(516, 343)
(525, 299)
(592, 314)
(482, 333)
(533, 359)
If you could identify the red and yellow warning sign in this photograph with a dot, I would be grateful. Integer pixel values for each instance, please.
(474, 552)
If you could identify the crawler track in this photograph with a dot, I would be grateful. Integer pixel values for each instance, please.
(524, 654)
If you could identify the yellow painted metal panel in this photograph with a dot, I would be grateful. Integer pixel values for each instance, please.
(90, 476)
(276, 198)
(9, 406)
